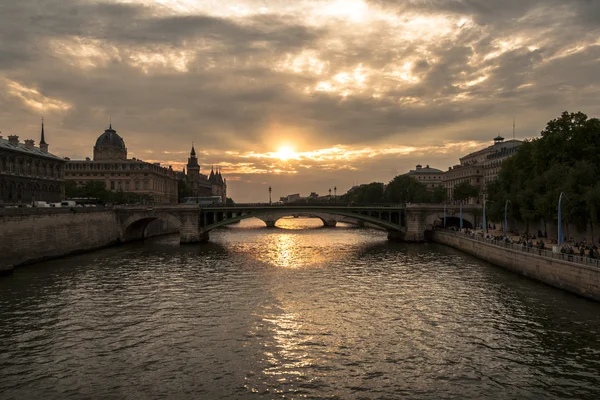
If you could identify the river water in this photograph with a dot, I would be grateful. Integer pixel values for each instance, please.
(294, 312)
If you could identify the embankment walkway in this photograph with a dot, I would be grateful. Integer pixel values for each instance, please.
(579, 275)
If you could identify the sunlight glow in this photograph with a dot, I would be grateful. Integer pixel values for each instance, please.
(285, 153)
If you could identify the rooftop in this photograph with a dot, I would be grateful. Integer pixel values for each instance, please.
(427, 170)
(32, 151)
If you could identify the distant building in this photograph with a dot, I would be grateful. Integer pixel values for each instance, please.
(202, 185)
(118, 173)
(430, 177)
(481, 164)
(493, 161)
(29, 173)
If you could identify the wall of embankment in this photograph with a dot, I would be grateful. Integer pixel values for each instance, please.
(29, 235)
(583, 280)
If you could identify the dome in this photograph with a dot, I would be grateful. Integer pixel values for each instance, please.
(110, 145)
(110, 138)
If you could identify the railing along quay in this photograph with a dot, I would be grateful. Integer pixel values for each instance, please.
(588, 261)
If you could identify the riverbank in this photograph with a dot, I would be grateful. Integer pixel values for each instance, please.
(579, 275)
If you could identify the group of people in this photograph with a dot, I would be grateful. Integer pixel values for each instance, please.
(582, 249)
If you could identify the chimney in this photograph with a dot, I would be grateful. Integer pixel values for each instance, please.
(13, 139)
(29, 143)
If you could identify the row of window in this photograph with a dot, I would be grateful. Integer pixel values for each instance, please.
(27, 166)
(94, 166)
(135, 185)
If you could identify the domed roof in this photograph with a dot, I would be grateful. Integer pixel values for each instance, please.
(110, 138)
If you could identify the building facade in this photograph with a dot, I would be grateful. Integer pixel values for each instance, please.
(493, 161)
(29, 173)
(430, 177)
(119, 173)
(202, 185)
(480, 167)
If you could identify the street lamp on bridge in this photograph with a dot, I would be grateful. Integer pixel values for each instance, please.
(270, 189)
(329, 193)
(334, 192)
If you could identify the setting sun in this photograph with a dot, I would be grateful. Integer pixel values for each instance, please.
(285, 153)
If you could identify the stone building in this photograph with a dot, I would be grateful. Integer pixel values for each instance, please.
(119, 173)
(202, 185)
(430, 177)
(29, 173)
(479, 165)
(493, 161)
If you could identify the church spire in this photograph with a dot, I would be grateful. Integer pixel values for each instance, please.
(193, 152)
(43, 144)
(43, 139)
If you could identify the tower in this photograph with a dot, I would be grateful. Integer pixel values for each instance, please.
(193, 172)
(43, 144)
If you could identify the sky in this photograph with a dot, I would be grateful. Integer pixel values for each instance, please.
(304, 95)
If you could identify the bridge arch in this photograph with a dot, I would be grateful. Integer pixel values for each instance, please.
(134, 227)
(327, 219)
(390, 226)
(452, 219)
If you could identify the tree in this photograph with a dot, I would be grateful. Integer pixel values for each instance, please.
(367, 193)
(439, 195)
(183, 190)
(564, 159)
(406, 189)
(464, 191)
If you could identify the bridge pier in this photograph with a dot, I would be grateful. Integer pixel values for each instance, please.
(330, 224)
(396, 236)
(270, 224)
(190, 229)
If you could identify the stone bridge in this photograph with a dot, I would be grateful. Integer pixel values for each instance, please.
(402, 222)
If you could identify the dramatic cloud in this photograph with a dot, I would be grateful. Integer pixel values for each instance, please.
(358, 90)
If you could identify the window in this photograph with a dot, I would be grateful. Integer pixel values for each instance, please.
(112, 185)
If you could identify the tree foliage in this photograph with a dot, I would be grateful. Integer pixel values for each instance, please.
(401, 189)
(565, 158)
(97, 190)
(464, 191)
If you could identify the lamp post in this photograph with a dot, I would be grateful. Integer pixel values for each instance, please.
(560, 232)
(485, 226)
(329, 193)
(334, 192)
(506, 216)
(270, 190)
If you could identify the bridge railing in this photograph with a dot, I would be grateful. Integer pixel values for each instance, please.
(307, 204)
(588, 261)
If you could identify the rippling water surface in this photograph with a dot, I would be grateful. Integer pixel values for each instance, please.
(291, 313)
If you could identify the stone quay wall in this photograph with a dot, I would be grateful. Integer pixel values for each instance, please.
(575, 277)
(28, 235)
